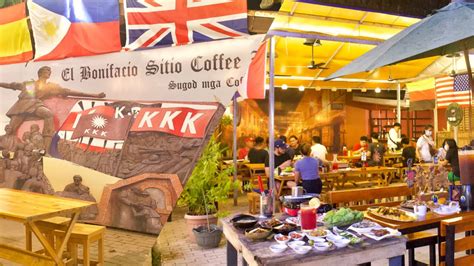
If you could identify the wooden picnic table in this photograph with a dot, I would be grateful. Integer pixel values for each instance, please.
(29, 208)
(338, 178)
(258, 253)
(430, 221)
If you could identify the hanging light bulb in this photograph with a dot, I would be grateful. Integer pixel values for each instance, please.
(334, 89)
(349, 90)
(318, 88)
(378, 90)
(301, 88)
(284, 87)
(363, 90)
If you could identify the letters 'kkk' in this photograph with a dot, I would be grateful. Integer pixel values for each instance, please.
(102, 125)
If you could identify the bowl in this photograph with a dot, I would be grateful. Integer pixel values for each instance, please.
(342, 243)
(291, 212)
(284, 228)
(243, 221)
(302, 249)
(296, 235)
(322, 246)
(317, 239)
(282, 239)
(296, 243)
(258, 233)
(278, 248)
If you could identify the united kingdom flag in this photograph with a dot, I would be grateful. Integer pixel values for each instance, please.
(152, 23)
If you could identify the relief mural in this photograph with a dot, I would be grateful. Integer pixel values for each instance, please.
(131, 157)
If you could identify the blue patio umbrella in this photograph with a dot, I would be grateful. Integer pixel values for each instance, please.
(449, 30)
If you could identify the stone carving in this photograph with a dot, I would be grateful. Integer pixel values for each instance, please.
(76, 190)
(137, 210)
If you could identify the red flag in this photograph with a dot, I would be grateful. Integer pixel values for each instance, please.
(255, 78)
(103, 126)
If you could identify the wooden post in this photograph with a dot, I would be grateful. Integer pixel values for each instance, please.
(471, 84)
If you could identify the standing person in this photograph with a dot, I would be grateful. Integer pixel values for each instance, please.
(361, 146)
(425, 145)
(258, 154)
(408, 152)
(393, 137)
(376, 151)
(307, 169)
(295, 145)
(243, 152)
(452, 158)
(318, 150)
(282, 159)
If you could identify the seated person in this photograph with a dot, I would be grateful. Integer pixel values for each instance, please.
(441, 151)
(408, 152)
(307, 169)
(361, 146)
(376, 151)
(258, 154)
(452, 158)
(243, 152)
(282, 159)
(295, 145)
(318, 150)
(289, 149)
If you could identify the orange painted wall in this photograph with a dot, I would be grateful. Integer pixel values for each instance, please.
(356, 125)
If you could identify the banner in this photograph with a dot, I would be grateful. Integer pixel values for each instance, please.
(203, 72)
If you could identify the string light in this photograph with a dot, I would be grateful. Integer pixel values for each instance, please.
(378, 90)
(284, 87)
(301, 88)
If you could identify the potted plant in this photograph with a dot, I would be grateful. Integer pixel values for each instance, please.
(208, 185)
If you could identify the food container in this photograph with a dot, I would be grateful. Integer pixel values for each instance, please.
(243, 221)
(322, 246)
(282, 239)
(296, 235)
(341, 243)
(294, 244)
(302, 249)
(278, 248)
(297, 191)
(258, 233)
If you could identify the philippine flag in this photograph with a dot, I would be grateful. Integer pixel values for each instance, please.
(72, 28)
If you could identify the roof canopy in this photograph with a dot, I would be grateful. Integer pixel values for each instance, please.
(344, 34)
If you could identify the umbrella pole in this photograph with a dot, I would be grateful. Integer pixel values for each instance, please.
(271, 122)
(471, 84)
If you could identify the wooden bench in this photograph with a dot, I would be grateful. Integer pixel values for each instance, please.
(85, 235)
(361, 199)
(393, 195)
(82, 234)
(24, 257)
(448, 229)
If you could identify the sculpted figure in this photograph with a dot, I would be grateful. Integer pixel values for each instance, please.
(30, 101)
(137, 211)
(76, 190)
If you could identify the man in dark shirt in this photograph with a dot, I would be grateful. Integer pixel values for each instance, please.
(258, 154)
(282, 159)
(295, 145)
(376, 151)
(289, 150)
(409, 152)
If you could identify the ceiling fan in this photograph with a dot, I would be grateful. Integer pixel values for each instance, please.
(313, 65)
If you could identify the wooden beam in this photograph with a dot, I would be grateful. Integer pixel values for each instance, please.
(24, 257)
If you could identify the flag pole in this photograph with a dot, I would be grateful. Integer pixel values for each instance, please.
(471, 84)
(234, 141)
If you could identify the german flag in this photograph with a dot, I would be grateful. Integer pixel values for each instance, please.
(15, 41)
(422, 94)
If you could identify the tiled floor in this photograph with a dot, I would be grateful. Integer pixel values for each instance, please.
(121, 247)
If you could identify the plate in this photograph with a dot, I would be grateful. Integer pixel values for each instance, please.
(407, 216)
(293, 220)
(391, 233)
(368, 225)
(447, 212)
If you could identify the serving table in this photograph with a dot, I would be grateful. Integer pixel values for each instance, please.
(258, 253)
(30, 208)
